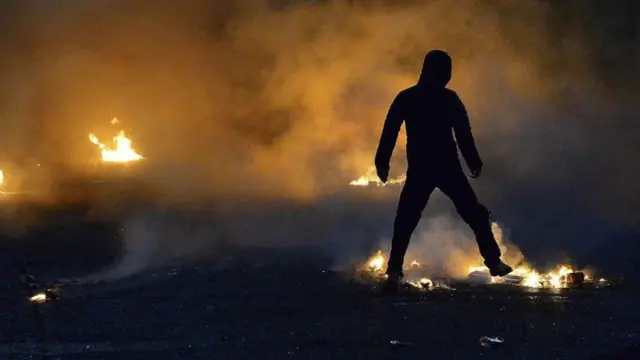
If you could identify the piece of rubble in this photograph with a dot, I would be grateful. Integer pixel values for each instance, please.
(442, 283)
(512, 279)
(575, 279)
(488, 342)
(52, 293)
(400, 343)
(480, 277)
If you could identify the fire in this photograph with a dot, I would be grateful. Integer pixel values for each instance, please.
(555, 279)
(375, 265)
(532, 280)
(121, 153)
(1, 177)
(422, 283)
(376, 262)
(371, 177)
(38, 298)
(523, 274)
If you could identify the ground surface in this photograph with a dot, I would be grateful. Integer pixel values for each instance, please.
(265, 304)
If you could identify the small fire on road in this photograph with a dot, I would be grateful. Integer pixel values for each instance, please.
(121, 151)
(38, 298)
(371, 178)
(376, 266)
(562, 276)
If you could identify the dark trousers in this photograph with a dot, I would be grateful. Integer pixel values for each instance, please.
(414, 198)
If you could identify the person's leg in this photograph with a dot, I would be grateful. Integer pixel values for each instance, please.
(413, 199)
(456, 186)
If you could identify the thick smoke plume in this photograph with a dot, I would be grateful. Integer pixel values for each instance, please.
(285, 100)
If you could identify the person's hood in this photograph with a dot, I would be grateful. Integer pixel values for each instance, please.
(436, 70)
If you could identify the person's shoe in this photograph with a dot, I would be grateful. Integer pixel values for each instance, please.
(392, 283)
(499, 269)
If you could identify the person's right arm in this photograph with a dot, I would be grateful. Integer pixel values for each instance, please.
(388, 138)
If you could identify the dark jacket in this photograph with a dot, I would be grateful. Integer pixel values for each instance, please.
(432, 115)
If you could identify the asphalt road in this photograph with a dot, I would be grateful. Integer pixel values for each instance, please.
(286, 304)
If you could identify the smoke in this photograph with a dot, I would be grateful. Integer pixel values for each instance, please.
(247, 100)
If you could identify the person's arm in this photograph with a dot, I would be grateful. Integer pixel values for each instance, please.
(464, 136)
(390, 130)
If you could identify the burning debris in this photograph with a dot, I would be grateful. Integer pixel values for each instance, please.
(376, 262)
(523, 275)
(422, 283)
(38, 298)
(371, 177)
(375, 269)
(563, 277)
(41, 293)
(121, 153)
(49, 293)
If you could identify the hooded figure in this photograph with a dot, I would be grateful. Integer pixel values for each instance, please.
(436, 69)
(432, 115)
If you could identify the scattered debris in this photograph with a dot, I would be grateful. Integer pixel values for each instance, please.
(601, 283)
(442, 283)
(400, 343)
(415, 279)
(488, 342)
(575, 279)
(430, 284)
(49, 293)
(52, 292)
(513, 279)
(480, 277)
(560, 277)
(423, 283)
(563, 278)
(38, 294)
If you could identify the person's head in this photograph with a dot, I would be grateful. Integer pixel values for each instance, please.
(436, 69)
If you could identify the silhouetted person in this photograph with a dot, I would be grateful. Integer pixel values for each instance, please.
(432, 114)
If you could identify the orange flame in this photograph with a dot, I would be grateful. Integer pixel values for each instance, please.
(121, 153)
